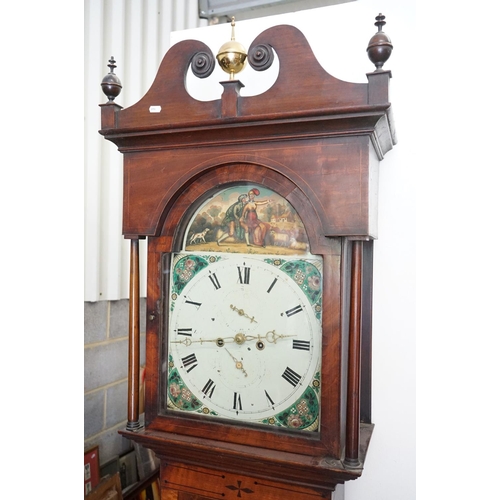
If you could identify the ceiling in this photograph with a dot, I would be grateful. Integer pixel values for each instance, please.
(221, 11)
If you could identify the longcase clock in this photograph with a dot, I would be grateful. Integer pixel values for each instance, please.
(260, 216)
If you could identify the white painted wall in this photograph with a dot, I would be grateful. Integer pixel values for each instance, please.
(339, 36)
(136, 33)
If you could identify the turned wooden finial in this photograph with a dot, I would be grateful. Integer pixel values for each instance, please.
(379, 47)
(111, 85)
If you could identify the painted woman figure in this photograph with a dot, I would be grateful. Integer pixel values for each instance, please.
(255, 229)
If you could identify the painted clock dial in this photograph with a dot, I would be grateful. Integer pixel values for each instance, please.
(244, 325)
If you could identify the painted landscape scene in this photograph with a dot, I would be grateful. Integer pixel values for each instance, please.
(247, 219)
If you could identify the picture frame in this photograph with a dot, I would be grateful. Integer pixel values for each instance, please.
(127, 467)
(110, 467)
(108, 489)
(91, 469)
(147, 461)
(146, 489)
(151, 491)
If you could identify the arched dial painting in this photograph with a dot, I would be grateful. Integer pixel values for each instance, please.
(245, 314)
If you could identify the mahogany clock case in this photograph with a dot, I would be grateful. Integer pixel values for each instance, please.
(317, 142)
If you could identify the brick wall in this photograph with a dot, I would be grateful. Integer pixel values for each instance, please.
(105, 377)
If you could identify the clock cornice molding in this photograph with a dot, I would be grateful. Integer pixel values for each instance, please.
(295, 106)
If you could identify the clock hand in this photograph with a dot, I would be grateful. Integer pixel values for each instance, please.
(241, 312)
(271, 336)
(240, 338)
(239, 364)
(220, 341)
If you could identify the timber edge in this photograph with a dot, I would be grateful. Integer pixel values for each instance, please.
(302, 470)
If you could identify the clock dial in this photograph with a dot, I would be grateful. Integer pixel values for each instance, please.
(245, 338)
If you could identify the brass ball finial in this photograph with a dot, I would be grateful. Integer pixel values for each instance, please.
(232, 55)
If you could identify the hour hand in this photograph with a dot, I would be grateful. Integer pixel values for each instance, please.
(238, 363)
(241, 312)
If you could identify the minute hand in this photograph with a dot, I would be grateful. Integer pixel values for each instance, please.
(272, 337)
(220, 341)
